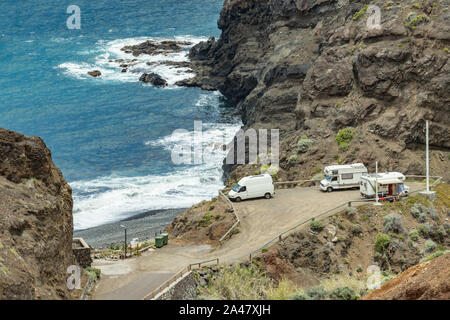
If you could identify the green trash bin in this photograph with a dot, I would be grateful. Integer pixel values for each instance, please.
(165, 237)
(159, 241)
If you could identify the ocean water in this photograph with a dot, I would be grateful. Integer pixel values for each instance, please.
(112, 136)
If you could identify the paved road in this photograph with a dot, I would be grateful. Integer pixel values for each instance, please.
(261, 221)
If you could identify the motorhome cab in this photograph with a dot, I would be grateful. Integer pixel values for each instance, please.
(390, 185)
(253, 187)
(342, 177)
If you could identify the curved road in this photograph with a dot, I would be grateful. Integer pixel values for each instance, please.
(261, 221)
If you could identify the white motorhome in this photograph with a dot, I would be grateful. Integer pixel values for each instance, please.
(253, 187)
(342, 176)
(390, 185)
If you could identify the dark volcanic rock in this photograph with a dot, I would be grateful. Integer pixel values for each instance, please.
(314, 67)
(95, 73)
(35, 221)
(153, 78)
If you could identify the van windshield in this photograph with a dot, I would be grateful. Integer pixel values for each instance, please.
(328, 178)
(236, 187)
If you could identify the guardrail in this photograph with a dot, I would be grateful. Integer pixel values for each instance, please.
(294, 184)
(176, 277)
(279, 237)
(235, 225)
(167, 283)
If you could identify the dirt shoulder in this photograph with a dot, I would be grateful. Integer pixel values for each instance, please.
(425, 281)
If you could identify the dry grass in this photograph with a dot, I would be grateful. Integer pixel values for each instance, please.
(238, 283)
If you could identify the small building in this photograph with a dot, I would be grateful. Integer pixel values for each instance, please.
(81, 252)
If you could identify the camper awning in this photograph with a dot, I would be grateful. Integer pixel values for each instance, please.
(390, 181)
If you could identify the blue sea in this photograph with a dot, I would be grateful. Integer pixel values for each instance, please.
(112, 136)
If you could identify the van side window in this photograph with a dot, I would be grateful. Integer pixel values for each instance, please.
(347, 176)
(243, 189)
(334, 179)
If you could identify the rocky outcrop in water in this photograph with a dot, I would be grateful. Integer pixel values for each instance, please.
(154, 79)
(314, 67)
(35, 221)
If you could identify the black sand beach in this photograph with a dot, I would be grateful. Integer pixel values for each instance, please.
(142, 226)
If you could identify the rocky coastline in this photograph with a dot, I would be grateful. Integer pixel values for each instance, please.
(312, 68)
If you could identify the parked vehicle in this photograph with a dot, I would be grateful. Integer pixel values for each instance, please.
(253, 187)
(390, 185)
(342, 177)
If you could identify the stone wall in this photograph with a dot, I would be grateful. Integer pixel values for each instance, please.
(81, 252)
(182, 289)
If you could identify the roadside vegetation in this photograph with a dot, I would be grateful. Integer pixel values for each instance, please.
(334, 258)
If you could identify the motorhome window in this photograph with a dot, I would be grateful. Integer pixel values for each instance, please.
(243, 189)
(334, 179)
(334, 172)
(328, 178)
(347, 176)
(236, 187)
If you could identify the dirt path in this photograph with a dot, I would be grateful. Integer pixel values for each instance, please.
(261, 221)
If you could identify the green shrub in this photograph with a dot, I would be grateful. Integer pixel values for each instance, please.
(422, 217)
(356, 229)
(316, 226)
(350, 211)
(344, 293)
(94, 273)
(436, 254)
(393, 223)
(344, 137)
(304, 144)
(430, 245)
(360, 13)
(359, 268)
(293, 159)
(382, 242)
(415, 20)
(299, 296)
(317, 293)
(424, 229)
(414, 235)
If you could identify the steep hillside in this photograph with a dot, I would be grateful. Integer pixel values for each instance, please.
(428, 280)
(35, 221)
(314, 67)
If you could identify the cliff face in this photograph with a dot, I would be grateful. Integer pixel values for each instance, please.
(35, 221)
(313, 67)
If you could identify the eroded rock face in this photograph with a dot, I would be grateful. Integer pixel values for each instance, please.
(314, 67)
(35, 221)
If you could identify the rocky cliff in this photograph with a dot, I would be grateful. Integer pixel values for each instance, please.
(314, 67)
(35, 221)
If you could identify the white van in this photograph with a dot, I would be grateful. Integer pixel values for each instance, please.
(342, 177)
(253, 187)
(390, 184)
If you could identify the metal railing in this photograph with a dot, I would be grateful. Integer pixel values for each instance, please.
(184, 271)
(235, 225)
(279, 237)
(167, 283)
(324, 214)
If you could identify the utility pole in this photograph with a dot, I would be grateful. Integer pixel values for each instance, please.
(376, 185)
(428, 193)
(125, 255)
(428, 156)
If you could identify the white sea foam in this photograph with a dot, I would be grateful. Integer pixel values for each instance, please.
(108, 52)
(113, 198)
